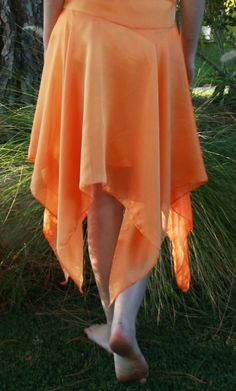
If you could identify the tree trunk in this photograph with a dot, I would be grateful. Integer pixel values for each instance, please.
(21, 50)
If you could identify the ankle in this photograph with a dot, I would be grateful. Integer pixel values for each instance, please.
(108, 313)
(126, 326)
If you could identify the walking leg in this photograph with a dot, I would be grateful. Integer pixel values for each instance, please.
(129, 361)
(104, 221)
(118, 335)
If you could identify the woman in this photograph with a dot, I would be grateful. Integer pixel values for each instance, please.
(114, 139)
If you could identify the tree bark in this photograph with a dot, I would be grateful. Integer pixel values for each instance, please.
(21, 50)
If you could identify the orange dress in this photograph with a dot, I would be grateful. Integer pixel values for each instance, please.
(114, 107)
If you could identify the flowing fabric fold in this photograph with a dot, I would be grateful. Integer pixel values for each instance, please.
(114, 108)
(180, 226)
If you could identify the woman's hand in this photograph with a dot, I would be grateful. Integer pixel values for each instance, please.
(45, 43)
(191, 19)
(190, 68)
(44, 52)
(51, 11)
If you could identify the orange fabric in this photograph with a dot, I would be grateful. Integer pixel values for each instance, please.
(114, 107)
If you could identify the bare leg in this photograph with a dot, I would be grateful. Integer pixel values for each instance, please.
(129, 361)
(104, 221)
(118, 335)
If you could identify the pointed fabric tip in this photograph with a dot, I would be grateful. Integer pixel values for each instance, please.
(180, 224)
(73, 250)
(65, 282)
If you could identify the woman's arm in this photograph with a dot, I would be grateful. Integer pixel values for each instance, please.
(51, 11)
(191, 19)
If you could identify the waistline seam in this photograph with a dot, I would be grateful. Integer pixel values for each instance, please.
(120, 24)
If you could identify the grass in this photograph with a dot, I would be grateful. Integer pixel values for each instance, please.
(44, 348)
(212, 242)
(189, 340)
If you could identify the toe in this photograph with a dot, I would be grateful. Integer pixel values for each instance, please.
(87, 330)
(142, 381)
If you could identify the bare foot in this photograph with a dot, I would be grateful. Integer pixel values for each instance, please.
(130, 364)
(100, 334)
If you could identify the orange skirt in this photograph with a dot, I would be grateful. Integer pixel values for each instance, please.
(114, 107)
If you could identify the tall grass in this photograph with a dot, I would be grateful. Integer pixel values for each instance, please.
(213, 240)
(28, 264)
(29, 268)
